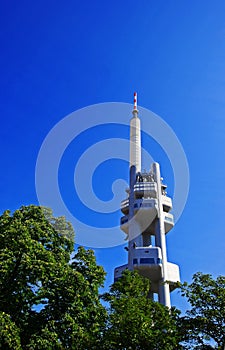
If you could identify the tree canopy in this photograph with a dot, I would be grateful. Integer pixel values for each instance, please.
(48, 301)
(204, 323)
(135, 321)
(49, 296)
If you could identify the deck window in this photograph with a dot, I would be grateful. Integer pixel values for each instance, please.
(147, 261)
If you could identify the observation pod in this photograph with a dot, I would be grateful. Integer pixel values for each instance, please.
(146, 220)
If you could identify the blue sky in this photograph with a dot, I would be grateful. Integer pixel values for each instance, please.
(58, 57)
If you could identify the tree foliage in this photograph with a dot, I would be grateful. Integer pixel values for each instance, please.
(49, 302)
(9, 333)
(204, 323)
(135, 321)
(60, 224)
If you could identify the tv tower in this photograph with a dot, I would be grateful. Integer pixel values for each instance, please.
(146, 220)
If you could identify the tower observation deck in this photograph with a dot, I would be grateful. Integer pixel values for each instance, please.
(146, 220)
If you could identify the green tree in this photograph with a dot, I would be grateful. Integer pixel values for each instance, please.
(60, 224)
(204, 323)
(9, 333)
(135, 321)
(48, 301)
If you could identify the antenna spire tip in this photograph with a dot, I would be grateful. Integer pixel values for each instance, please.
(135, 101)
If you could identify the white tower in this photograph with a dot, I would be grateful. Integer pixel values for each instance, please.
(146, 220)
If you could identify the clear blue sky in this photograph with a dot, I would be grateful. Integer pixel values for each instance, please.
(57, 57)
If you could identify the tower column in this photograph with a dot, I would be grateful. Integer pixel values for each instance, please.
(164, 291)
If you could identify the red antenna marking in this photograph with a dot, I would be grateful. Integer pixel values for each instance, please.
(135, 101)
